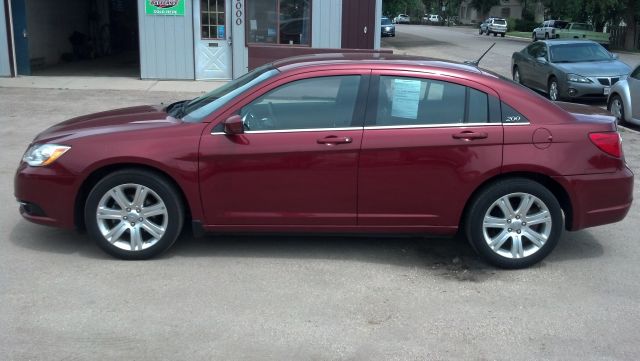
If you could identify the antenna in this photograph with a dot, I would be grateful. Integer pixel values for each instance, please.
(477, 62)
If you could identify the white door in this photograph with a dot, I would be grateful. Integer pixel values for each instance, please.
(212, 39)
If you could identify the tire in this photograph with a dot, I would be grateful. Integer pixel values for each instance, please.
(498, 243)
(480, 31)
(616, 107)
(546, 36)
(533, 37)
(553, 95)
(138, 228)
(516, 75)
(487, 32)
(495, 34)
(502, 35)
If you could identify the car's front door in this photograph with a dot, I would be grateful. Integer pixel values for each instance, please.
(296, 163)
(428, 142)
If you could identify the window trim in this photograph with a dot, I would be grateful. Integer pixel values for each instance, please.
(374, 90)
(277, 43)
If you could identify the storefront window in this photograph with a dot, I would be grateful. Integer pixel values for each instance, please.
(213, 19)
(286, 22)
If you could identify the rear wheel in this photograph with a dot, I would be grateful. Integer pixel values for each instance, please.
(134, 214)
(503, 34)
(514, 223)
(616, 107)
(516, 75)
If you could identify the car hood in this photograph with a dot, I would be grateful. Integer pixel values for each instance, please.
(595, 68)
(118, 120)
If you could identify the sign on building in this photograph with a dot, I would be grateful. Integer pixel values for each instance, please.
(164, 7)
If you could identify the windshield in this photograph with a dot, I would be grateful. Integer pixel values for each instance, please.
(206, 104)
(578, 52)
(386, 21)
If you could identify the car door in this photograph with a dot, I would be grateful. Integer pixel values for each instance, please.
(526, 63)
(539, 68)
(634, 92)
(296, 163)
(429, 141)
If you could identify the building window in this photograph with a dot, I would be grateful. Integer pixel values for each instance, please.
(505, 12)
(286, 22)
(213, 19)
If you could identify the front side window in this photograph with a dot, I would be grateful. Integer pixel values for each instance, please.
(286, 22)
(412, 101)
(316, 103)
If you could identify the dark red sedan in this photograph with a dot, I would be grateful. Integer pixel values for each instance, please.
(336, 143)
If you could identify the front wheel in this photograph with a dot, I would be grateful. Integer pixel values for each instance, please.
(134, 214)
(553, 91)
(480, 31)
(533, 37)
(514, 223)
(616, 107)
(516, 75)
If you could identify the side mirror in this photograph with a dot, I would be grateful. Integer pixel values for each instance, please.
(234, 125)
(541, 60)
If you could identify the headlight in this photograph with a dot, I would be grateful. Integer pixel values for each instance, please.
(44, 154)
(577, 78)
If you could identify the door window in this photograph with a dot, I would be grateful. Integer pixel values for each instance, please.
(213, 19)
(316, 103)
(411, 101)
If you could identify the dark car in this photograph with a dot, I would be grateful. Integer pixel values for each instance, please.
(568, 69)
(387, 27)
(335, 143)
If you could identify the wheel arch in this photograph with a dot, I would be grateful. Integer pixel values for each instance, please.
(97, 174)
(553, 186)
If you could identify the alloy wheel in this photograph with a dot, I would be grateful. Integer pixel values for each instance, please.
(517, 225)
(553, 90)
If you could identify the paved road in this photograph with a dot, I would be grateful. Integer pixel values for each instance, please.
(463, 43)
(299, 298)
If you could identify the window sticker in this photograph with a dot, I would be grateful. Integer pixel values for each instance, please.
(406, 96)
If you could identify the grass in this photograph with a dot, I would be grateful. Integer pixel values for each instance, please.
(520, 34)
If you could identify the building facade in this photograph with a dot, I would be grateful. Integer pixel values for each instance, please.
(178, 39)
(506, 9)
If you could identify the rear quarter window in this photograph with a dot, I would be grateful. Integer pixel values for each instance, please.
(512, 116)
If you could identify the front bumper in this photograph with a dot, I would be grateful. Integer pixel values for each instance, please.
(593, 90)
(598, 199)
(388, 32)
(46, 195)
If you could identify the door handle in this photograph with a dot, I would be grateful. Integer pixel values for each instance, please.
(332, 139)
(468, 135)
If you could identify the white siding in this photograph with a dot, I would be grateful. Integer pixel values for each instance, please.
(5, 68)
(166, 45)
(326, 24)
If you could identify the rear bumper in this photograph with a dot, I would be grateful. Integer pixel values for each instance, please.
(598, 199)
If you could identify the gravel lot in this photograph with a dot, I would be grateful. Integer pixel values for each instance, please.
(299, 298)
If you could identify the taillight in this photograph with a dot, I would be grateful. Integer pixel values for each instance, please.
(608, 142)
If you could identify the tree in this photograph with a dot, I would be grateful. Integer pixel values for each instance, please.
(483, 6)
(632, 23)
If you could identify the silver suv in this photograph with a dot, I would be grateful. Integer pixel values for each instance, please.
(494, 26)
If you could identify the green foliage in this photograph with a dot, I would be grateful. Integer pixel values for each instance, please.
(483, 6)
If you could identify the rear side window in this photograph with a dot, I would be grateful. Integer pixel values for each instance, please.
(406, 101)
(510, 115)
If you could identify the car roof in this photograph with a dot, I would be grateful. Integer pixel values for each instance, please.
(369, 59)
(568, 41)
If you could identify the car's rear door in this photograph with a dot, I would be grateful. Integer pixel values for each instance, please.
(296, 163)
(634, 91)
(429, 141)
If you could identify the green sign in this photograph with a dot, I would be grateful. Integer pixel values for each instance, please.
(164, 7)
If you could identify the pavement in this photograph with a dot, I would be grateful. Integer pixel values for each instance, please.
(299, 297)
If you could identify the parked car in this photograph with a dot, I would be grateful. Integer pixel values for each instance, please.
(387, 28)
(432, 19)
(624, 100)
(402, 19)
(582, 31)
(335, 143)
(494, 26)
(568, 69)
(548, 29)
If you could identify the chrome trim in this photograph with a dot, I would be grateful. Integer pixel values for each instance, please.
(293, 130)
(376, 127)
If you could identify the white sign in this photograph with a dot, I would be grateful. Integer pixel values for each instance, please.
(406, 96)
